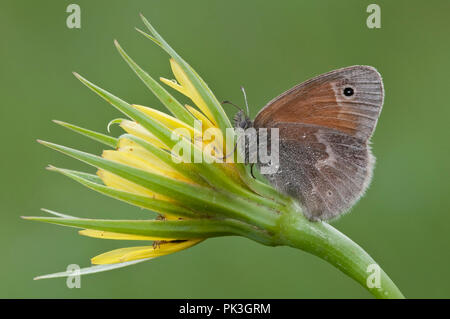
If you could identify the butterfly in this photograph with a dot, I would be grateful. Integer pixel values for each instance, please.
(324, 126)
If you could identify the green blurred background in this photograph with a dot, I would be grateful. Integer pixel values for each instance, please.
(403, 221)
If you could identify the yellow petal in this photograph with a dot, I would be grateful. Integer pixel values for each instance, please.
(117, 182)
(130, 157)
(111, 235)
(133, 253)
(174, 85)
(139, 131)
(192, 93)
(169, 121)
(206, 123)
(125, 144)
(130, 147)
(208, 127)
(147, 161)
(213, 142)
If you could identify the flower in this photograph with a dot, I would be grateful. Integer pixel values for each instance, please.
(194, 200)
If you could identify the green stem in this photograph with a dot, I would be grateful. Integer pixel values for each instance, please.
(326, 242)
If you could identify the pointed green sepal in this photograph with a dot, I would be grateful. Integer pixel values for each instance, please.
(180, 229)
(200, 85)
(161, 206)
(99, 137)
(165, 97)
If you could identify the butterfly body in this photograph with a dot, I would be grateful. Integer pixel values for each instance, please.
(324, 124)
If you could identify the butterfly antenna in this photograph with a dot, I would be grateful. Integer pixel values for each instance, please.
(228, 102)
(245, 98)
(251, 170)
(234, 148)
(228, 155)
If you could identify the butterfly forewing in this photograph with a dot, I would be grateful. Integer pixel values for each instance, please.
(322, 101)
(324, 128)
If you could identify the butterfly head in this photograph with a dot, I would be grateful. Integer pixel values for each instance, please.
(241, 120)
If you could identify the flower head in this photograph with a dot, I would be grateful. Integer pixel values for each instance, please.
(171, 165)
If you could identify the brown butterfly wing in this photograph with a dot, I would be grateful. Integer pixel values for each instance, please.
(325, 159)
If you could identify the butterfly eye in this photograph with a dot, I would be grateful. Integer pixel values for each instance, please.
(348, 91)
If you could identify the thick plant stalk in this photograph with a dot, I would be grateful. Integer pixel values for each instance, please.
(326, 242)
(292, 229)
